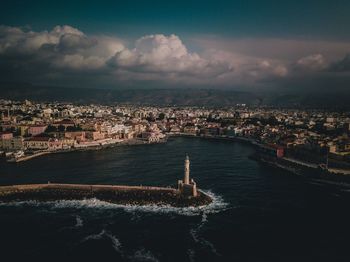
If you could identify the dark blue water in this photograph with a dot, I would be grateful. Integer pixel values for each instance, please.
(259, 213)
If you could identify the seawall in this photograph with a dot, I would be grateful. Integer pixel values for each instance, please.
(118, 194)
(303, 169)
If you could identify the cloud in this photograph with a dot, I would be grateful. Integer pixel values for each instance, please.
(269, 68)
(312, 62)
(65, 55)
(64, 49)
(342, 65)
(286, 49)
(70, 43)
(79, 62)
(15, 41)
(248, 70)
(166, 55)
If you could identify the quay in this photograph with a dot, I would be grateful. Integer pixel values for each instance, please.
(28, 157)
(82, 147)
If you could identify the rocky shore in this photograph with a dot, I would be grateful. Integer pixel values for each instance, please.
(126, 195)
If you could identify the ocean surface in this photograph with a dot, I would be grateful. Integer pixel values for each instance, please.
(259, 213)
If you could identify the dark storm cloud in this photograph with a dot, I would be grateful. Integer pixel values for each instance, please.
(342, 65)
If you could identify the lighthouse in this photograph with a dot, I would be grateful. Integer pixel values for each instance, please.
(187, 170)
(187, 187)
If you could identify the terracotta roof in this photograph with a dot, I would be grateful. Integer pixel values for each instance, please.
(5, 133)
(65, 121)
(36, 138)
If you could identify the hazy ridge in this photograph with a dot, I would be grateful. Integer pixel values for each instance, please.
(180, 97)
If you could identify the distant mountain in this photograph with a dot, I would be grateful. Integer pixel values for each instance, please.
(180, 97)
(309, 100)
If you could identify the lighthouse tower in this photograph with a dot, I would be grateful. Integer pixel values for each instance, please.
(187, 170)
(186, 186)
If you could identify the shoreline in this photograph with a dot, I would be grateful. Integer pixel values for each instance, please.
(298, 168)
(330, 172)
(131, 142)
(116, 194)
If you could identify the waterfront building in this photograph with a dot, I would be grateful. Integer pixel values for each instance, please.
(190, 129)
(42, 143)
(65, 123)
(23, 130)
(94, 135)
(36, 129)
(6, 135)
(79, 136)
(10, 143)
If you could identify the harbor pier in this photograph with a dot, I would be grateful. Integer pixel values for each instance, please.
(118, 194)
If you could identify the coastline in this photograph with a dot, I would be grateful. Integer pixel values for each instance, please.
(289, 164)
(130, 142)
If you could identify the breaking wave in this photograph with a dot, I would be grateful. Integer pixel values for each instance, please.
(79, 221)
(144, 255)
(104, 234)
(197, 238)
(140, 255)
(218, 205)
(191, 255)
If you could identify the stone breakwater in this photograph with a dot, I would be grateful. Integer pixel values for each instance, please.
(125, 195)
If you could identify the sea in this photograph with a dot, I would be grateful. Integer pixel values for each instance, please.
(259, 213)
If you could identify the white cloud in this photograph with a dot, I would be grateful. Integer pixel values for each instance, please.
(312, 62)
(167, 55)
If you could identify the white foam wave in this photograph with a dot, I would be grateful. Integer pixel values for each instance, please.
(144, 255)
(104, 234)
(95, 236)
(217, 205)
(194, 235)
(191, 254)
(79, 221)
(139, 255)
(194, 232)
(21, 203)
(204, 217)
(200, 240)
(115, 242)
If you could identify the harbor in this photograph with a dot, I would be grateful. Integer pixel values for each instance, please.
(243, 192)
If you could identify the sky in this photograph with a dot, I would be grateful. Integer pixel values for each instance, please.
(245, 45)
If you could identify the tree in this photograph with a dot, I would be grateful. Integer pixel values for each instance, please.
(61, 128)
(51, 128)
(161, 116)
(73, 128)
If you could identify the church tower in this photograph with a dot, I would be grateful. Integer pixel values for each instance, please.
(187, 187)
